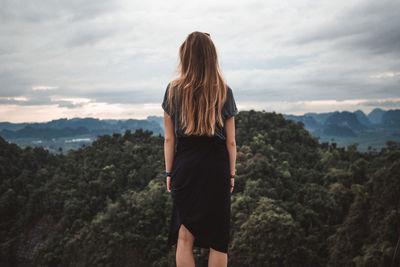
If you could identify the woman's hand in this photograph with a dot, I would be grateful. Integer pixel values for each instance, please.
(169, 183)
(232, 183)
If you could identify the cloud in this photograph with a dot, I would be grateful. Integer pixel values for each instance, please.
(392, 103)
(366, 25)
(386, 75)
(42, 11)
(41, 87)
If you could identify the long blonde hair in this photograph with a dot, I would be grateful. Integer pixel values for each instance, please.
(201, 88)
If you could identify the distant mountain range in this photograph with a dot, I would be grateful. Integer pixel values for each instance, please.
(348, 124)
(64, 134)
(76, 126)
(345, 128)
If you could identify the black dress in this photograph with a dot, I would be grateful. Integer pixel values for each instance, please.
(200, 187)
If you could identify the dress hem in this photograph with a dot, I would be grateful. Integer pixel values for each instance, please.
(195, 242)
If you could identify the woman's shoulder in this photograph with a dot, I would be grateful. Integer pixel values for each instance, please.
(229, 91)
(169, 85)
(172, 84)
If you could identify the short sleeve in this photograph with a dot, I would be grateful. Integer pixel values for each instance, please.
(229, 109)
(165, 103)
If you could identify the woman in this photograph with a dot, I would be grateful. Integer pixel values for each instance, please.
(200, 152)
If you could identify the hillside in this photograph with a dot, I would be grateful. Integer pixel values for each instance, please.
(294, 204)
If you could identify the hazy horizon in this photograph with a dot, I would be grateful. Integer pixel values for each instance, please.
(160, 115)
(114, 59)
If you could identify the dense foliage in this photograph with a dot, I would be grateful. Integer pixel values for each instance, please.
(296, 202)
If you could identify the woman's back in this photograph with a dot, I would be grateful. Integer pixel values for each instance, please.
(229, 109)
(198, 118)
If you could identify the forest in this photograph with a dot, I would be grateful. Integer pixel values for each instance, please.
(296, 202)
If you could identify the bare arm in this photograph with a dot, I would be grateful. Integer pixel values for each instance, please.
(169, 146)
(231, 145)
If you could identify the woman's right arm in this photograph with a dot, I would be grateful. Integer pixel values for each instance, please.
(231, 144)
(169, 146)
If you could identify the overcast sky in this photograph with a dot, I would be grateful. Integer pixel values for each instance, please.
(114, 59)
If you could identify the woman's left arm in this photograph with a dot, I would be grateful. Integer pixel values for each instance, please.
(169, 146)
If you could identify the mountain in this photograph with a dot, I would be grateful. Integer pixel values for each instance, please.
(43, 133)
(362, 118)
(334, 124)
(157, 119)
(338, 131)
(12, 126)
(93, 126)
(391, 118)
(375, 116)
(345, 119)
(308, 121)
(343, 127)
(319, 117)
(89, 123)
(63, 134)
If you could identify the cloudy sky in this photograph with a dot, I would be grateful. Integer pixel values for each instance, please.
(114, 59)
